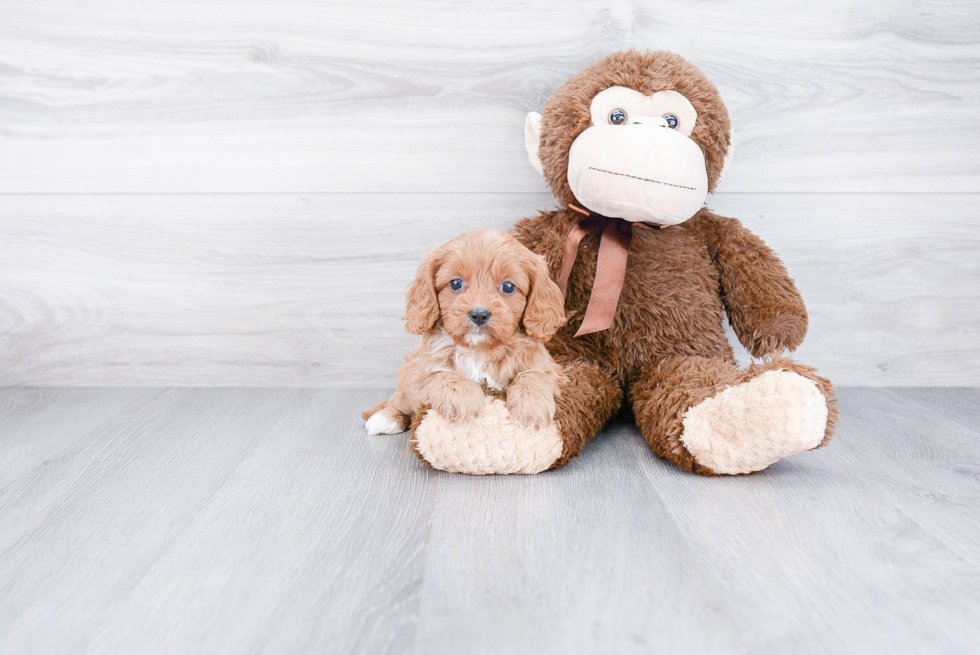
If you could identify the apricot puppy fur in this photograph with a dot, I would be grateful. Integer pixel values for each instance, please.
(484, 305)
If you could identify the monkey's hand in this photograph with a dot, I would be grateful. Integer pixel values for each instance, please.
(454, 397)
(531, 401)
(764, 306)
(775, 333)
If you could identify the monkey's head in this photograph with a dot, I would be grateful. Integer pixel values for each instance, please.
(639, 136)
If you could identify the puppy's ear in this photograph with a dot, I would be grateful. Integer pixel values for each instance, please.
(421, 301)
(545, 309)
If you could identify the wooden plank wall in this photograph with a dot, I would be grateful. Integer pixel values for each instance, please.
(236, 193)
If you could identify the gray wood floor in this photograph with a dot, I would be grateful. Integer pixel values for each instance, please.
(265, 521)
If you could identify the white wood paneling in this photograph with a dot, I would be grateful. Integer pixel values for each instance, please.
(296, 96)
(230, 192)
(307, 290)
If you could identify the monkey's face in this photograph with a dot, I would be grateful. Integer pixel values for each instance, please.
(653, 139)
(637, 161)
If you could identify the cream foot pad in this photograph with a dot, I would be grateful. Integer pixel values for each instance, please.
(490, 444)
(747, 427)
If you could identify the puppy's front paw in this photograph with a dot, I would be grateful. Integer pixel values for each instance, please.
(460, 403)
(532, 409)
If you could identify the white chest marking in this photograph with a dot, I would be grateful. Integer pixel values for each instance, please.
(473, 366)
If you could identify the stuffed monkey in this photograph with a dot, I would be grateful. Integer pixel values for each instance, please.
(631, 146)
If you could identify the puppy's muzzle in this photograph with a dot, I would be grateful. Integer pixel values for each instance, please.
(479, 316)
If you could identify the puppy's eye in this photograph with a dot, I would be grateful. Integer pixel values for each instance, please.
(508, 288)
(672, 121)
(456, 284)
(617, 117)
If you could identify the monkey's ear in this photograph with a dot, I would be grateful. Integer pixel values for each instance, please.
(532, 140)
(728, 154)
(422, 303)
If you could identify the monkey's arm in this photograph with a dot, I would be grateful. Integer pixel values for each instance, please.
(763, 305)
(545, 235)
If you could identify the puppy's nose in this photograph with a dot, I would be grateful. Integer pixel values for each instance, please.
(479, 315)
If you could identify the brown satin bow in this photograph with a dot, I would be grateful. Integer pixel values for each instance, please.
(610, 268)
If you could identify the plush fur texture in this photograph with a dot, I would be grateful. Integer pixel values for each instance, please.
(666, 350)
(493, 445)
(747, 427)
(460, 359)
(566, 114)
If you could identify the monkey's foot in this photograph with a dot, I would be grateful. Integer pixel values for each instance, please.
(490, 444)
(751, 425)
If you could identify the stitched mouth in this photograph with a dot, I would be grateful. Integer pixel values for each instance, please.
(642, 179)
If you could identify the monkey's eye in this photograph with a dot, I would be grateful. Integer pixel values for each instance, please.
(456, 284)
(508, 288)
(617, 117)
(672, 121)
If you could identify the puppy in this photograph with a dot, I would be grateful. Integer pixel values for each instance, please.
(484, 305)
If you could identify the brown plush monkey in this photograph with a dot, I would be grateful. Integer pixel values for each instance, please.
(630, 147)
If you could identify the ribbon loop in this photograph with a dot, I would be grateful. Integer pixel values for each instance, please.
(610, 273)
(579, 230)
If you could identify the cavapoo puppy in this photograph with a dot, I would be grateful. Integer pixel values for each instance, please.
(484, 305)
